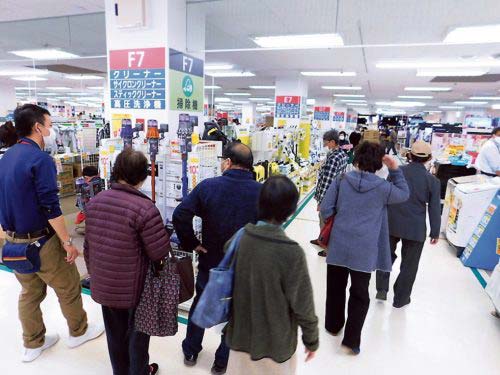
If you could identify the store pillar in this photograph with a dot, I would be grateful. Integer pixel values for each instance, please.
(291, 101)
(249, 114)
(7, 100)
(323, 113)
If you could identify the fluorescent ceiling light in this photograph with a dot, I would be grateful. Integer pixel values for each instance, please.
(303, 41)
(78, 93)
(353, 101)
(241, 101)
(262, 87)
(427, 88)
(451, 107)
(236, 94)
(212, 87)
(415, 97)
(25, 88)
(311, 101)
(82, 77)
(495, 106)
(349, 96)
(96, 87)
(259, 99)
(357, 104)
(24, 72)
(62, 97)
(229, 74)
(218, 67)
(44, 54)
(434, 111)
(383, 103)
(58, 88)
(329, 74)
(474, 34)
(485, 98)
(470, 103)
(355, 88)
(483, 62)
(407, 104)
(448, 72)
(46, 93)
(29, 78)
(272, 103)
(222, 100)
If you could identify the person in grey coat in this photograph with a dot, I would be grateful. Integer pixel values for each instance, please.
(407, 224)
(359, 242)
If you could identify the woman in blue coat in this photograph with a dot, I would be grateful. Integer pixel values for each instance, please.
(359, 243)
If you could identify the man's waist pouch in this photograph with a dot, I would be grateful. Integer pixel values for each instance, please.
(23, 257)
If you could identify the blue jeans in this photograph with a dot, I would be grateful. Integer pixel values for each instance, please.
(192, 344)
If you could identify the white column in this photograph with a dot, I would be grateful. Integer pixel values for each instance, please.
(291, 97)
(7, 99)
(249, 114)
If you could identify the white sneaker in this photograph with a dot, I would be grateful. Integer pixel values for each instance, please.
(29, 355)
(93, 332)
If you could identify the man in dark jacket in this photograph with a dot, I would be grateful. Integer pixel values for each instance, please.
(225, 204)
(407, 223)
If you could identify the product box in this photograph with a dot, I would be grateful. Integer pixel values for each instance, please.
(371, 136)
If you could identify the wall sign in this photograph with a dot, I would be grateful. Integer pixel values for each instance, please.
(186, 82)
(287, 107)
(137, 78)
(322, 113)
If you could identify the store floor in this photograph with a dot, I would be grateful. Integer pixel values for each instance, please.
(446, 330)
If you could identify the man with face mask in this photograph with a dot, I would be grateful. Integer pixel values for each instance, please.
(225, 204)
(488, 160)
(334, 165)
(29, 212)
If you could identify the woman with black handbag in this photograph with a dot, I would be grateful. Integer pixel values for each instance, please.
(124, 235)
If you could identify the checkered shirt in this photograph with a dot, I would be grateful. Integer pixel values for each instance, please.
(335, 164)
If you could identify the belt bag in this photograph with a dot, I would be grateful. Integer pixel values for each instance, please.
(23, 257)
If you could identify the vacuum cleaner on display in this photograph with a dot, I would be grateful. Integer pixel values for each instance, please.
(153, 137)
(184, 132)
(127, 133)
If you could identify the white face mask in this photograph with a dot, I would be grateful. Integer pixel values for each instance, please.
(50, 139)
(497, 140)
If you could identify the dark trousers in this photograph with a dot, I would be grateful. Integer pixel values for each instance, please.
(192, 344)
(359, 302)
(391, 146)
(410, 257)
(128, 349)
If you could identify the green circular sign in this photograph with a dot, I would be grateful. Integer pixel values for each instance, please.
(187, 86)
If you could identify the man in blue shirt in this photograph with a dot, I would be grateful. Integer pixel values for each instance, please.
(29, 212)
(225, 204)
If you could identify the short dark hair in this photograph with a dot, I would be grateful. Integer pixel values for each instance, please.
(131, 166)
(355, 138)
(90, 171)
(278, 199)
(496, 130)
(8, 136)
(331, 135)
(368, 157)
(27, 116)
(240, 155)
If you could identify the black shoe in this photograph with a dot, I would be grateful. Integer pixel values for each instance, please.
(399, 305)
(381, 295)
(314, 242)
(351, 351)
(218, 370)
(153, 368)
(191, 360)
(322, 253)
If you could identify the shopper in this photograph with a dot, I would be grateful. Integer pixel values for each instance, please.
(407, 224)
(8, 137)
(29, 212)
(359, 242)
(225, 204)
(488, 160)
(334, 165)
(272, 293)
(124, 234)
(354, 139)
(392, 139)
(343, 140)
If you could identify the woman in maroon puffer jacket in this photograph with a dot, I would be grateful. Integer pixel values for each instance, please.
(124, 233)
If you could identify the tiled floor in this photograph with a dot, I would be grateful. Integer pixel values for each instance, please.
(446, 330)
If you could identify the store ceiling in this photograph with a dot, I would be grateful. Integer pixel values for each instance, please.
(380, 30)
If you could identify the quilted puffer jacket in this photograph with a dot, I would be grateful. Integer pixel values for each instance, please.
(124, 231)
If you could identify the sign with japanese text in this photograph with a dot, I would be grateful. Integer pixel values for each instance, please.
(137, 78)
(322, 113)
(287, 107)
(186, 82)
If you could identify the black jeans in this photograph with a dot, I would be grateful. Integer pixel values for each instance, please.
(192, 344)
(128, 349)
(391, 146)
(410, 258)
(359, 302)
